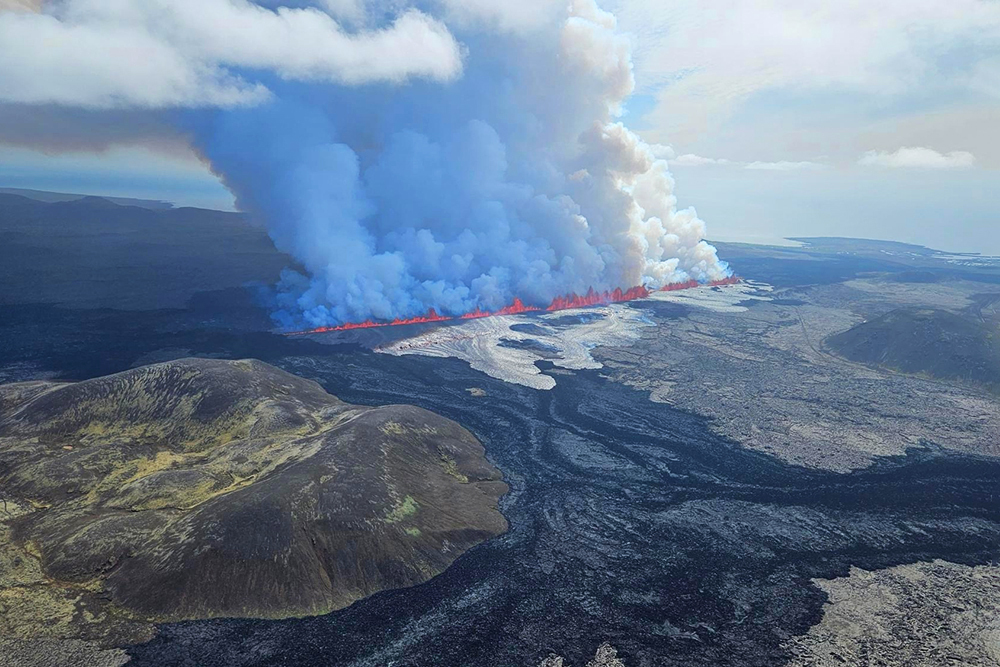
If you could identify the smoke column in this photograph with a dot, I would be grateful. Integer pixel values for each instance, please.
(512, 179)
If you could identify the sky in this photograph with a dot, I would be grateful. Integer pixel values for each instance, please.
(871, 119)
(777, 117)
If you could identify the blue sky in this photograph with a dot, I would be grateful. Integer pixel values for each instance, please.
(780, 118)
(869, 119)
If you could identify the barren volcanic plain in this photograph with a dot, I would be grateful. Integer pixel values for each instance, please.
(781, 472)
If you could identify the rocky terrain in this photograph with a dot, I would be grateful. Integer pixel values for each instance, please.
(201, 488)
(804, 373)
(926, 341)
(711, 525)
(507, 347)
(767, 378)
(631, 523)
(919, 615)
(606, 656)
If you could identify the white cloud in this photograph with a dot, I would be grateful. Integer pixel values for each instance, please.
(663, 151)
(164, 53)
(785, 166)
(715, 54)
(918, 158)
(690, 160)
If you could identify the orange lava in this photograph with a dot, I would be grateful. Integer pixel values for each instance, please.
(731, 280)
(675, 287)
(515, 308)
(591, 298)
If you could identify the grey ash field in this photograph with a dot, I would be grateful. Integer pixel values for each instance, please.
(799, 471)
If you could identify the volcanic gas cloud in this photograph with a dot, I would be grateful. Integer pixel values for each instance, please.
(504, 181)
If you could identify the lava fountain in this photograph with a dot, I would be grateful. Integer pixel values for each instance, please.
(517, 307)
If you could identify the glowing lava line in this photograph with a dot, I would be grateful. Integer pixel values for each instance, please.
(591, 298)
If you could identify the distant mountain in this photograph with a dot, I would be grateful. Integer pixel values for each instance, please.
(93, 253)
(202, 488)
(936, 343)
(51, 197)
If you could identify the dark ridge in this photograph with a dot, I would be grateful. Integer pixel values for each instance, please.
(88, 202)
(52, 197)
(93, 253)
(937, 343)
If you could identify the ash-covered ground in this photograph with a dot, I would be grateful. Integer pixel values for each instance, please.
(645, 510)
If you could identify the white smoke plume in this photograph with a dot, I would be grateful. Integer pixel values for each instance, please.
(517, 180)
(444, 154)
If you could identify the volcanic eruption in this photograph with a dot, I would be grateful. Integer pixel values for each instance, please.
(419, 159)
(517, 307)
(508, 185)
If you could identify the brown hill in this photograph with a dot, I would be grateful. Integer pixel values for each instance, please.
(201, 488)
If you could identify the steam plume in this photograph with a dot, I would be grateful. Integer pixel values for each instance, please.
(513, 180)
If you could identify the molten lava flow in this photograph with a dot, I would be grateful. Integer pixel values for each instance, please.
(516, 308)
(591, 298)
(431, 316)
(367, 324)
(476, 314)
(731, 280)
(675, 287)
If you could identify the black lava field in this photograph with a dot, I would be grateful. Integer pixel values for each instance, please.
(630, 522)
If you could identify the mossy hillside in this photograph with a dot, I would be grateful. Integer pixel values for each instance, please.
(158, 493)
